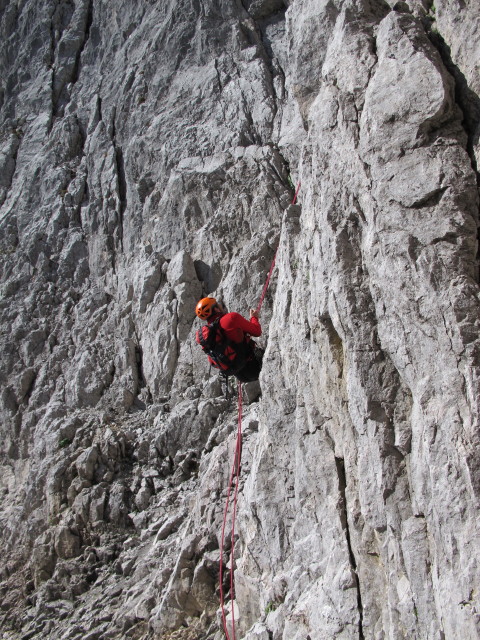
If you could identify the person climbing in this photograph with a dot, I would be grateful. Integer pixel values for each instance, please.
(226, 339)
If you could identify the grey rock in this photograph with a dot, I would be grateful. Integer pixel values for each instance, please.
(86, 463)
(147, 157)
(67, 543)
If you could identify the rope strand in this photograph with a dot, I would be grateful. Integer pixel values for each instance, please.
(238, 455)
(234, 472)
(296, 193)
(262, 297)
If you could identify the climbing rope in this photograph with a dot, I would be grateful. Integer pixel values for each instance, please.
(235, 473)
(267, 282)
(259, 306)
(296, 193)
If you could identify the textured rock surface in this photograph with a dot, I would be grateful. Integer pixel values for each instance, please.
(147, 155)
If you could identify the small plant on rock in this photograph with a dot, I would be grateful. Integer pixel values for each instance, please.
(271, 606)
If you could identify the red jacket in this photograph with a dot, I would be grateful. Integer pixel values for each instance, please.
(236, 326)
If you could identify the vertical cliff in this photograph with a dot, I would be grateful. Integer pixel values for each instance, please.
(148, 154)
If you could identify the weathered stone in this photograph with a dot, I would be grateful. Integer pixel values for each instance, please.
(67, 543)
(148, 157)
(86, 463)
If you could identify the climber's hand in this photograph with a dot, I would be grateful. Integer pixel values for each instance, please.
(253, 313)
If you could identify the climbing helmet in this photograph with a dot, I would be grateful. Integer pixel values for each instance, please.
(205, 307)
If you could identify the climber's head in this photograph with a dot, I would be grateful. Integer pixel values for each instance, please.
(205, 308)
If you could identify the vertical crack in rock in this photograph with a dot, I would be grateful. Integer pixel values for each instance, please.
(261, 19)
(468, 102)
(284, 180)
(466, 99)
(342, 484)
(66, 48)
(121, 179)
(271, 61)
(141, 381)
(122, 183)
(51, 65)
(9, 164)
(219, 80)
(88, 24)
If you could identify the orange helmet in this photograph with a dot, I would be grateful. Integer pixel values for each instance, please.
(205, 307)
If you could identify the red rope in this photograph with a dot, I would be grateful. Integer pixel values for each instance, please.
(235, 472)
(238, 456)
(296, 193)
(262, 297)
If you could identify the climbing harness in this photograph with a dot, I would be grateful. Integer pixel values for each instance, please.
(235, 473)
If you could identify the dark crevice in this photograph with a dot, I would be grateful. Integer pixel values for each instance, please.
(281, 179)
(9, 171)
(52, 79)
(276, 19)
(336, 344)
(30, 387)
(467, 100)
(139, 363)
(122, 182)
(122, 187)
(88, 24)
(141, 381)
(342, 484)
(288, 183)
(60, 93)
(210, 275)
(268, 9)
(270, 14)
(217, 71)
(85, 199)
(430, 200)
(83, 137)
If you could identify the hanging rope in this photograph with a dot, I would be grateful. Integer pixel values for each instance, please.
(296, 193)
(235, 473)
(262, 297)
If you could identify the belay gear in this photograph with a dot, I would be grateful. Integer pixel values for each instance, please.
(223, 353)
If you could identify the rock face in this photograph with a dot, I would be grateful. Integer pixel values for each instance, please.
(148, 155)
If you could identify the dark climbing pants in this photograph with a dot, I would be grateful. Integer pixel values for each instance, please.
(251, 370)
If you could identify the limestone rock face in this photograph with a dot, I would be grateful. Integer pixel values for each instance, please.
(149, 154)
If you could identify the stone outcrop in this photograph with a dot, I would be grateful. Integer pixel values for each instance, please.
(148, 156)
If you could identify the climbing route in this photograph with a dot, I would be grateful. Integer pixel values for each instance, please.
(235, 475)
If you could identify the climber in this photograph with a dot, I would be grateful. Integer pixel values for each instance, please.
(227, 342)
